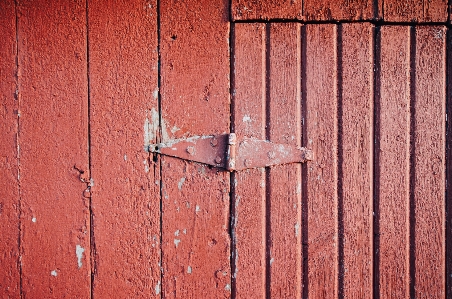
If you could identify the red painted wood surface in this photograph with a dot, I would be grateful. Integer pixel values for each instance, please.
(393, 156)
(428, 168)
(414, 10)
(9, 164)
(194, 101)
(123, 71)
(343, 10)
(265, 10)
(339, 10)
(284, 182)
(448, 193)
(94, 214)
(249, 201)
(356, 158)
(320, 92)
(55, 226)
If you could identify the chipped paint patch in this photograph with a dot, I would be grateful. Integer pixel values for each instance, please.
(175, 129)
(197, 209)
(176, 242)
(125, 157)
(181, 182)
(79, 250)
(155, 93)
(157, 288)
(54, 273)
(151, 126)
(246, 118)
(227, 287)
(271, 261)
(176, 233)
(33, 219)
(189, 270)
(297, 228)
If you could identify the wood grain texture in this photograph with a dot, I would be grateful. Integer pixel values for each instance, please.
(429, 167)
(284, 181)
(338, 10)
(320, 90)
(123, 70)
(195, 101)
(393, 156)
(9, 164)
(415, 10)
(357, 159)
(448, 165)
(266, 10)
(54, 169)
(249, 207)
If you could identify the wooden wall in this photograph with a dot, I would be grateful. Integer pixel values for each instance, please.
(86, 211)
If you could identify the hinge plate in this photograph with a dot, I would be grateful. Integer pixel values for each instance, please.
(225, 151)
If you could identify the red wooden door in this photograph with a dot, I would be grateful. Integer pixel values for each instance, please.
(88, 210)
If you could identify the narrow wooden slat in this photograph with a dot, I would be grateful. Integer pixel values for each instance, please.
(357, 160)
(320, 90)
(265, 10)
(53, 84)
(9, 193)
(339, 10)
(284, 189)
(415, 10)
(449, 165)
(429, 167)
(195, 101)
(124, 120)
(393, 173)
(249, 202)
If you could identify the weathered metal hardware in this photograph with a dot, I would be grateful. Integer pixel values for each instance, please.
(225, 151)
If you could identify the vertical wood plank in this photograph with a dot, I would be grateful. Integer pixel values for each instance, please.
(320, 90)
(249, 226)
(265, 10)
(9, 193)
(357, 159)
(448, 164)
(195, 101)
(415, 10)
(284, 189)
(339, 10)
(429, 167)
(123, 71)
(393, 156)
(53, 84)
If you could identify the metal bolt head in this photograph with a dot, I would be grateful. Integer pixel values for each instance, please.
(191, 150)
(218, 160)
(214, 142)
(271, 155)
(248, 162)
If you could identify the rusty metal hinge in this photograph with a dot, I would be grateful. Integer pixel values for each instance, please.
(227, 152)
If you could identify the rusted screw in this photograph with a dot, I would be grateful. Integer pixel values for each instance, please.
(191, 150)
(248, 162)
(214, 142)
(218, 160)
(271, 155)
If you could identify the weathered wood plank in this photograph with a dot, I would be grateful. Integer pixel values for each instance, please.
(249, 207)
(53, 134)
(195, 101)
(265, 10)
(123, 70)
(9, 193)
(415, 10)
(338, 10)
(284, 181)
(429, 167)
(357, 159)
(393, 156)
(320, 90)
(448, 165)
